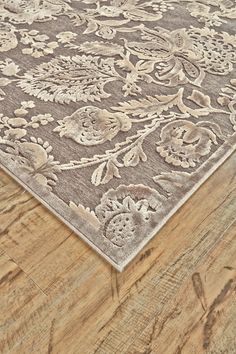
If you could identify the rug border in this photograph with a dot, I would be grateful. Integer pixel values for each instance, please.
(186, 197)
(227, 149)
(58, 216)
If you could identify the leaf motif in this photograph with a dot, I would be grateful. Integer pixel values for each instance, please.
(129, 203)
(151, 105)
(215, 130)
(113, 23)
(231, 13)
(223, 101)
(91, 27)
(133, 157)
(170, 182)
(4, 82)
(85, 213)
(190, 69)
(141, 15)
(101, 48)
(112, 171)
(97, 174)
(200, 99)
(123, 64)
(198, 9)
(89, 1)
(178, 40)
(145, 66)
(66, 79)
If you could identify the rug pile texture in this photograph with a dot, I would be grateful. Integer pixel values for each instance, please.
(114, 112)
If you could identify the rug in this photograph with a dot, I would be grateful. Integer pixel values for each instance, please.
(114, 112)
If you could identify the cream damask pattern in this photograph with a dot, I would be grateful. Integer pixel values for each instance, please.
(114, 110)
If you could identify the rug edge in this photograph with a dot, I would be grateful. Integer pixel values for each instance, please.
(58, 216)
(187, 196)
(228, 150)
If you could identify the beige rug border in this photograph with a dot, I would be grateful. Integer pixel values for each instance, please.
(224, 151)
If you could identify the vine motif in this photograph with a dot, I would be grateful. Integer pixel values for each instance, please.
(182, 143)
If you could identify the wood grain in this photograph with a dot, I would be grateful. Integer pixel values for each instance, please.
(178, 296)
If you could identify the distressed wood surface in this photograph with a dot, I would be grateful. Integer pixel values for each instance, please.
(178, 296)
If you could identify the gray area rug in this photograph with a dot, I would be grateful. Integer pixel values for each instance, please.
(114, 112)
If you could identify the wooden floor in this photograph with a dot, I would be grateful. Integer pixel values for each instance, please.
(178, 296)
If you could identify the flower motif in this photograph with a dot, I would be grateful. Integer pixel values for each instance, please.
(8, 38)
(33, 159)
(124, 211)
(183, 56)
(183, 143)
(175, 58)
(38, 46)
(28, 104)
(66, 37)
(42, 119)
(92, 126)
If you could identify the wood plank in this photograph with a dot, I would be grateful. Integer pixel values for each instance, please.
(28, 231)
(91, 308)
(24, 307)
(188, 324)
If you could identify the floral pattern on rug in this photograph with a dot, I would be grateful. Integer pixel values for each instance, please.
(122, 101)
